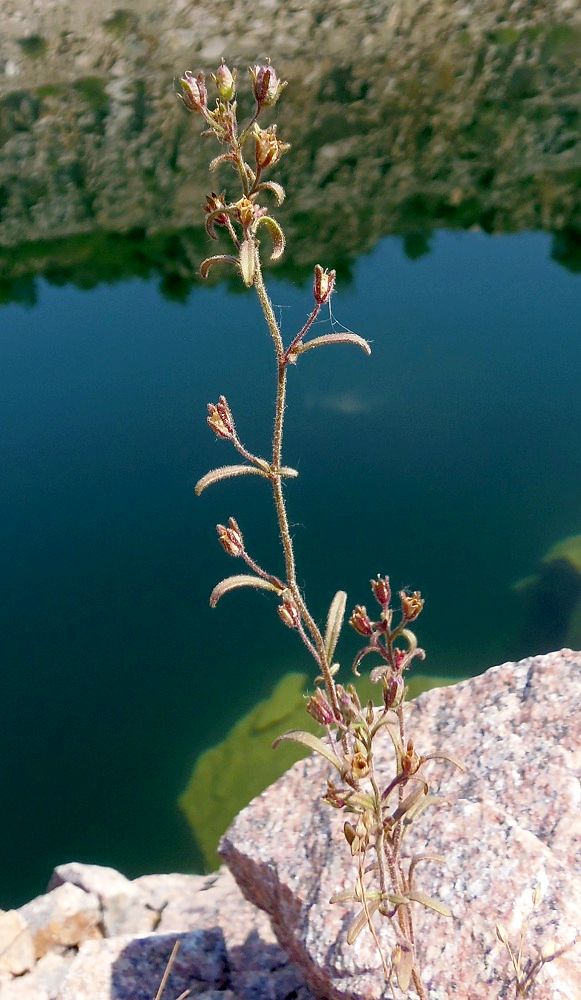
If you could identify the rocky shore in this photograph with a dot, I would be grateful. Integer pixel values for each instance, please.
(264, 929)
(403, 118)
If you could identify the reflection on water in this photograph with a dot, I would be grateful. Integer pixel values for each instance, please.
(450, 460)
(404, 120)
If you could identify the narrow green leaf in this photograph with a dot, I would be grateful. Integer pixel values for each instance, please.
(210, 262)
(361, 921)
(226, 472)
(410, 801)
(313, 743)
(444, 756)
(404, 966)
(276, 189)
(276, 233)
(419, 807)
(334, 622)
(432, 904)
(219, 160)
(242, 580)
(334, 338)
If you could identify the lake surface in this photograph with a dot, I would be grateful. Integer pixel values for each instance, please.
(450, 459)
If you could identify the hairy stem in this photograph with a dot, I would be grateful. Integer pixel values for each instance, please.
(277, 489)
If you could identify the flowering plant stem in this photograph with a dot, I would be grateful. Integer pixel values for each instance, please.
(380, 823)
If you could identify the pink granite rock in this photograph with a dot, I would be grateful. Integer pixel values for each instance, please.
(513, 820)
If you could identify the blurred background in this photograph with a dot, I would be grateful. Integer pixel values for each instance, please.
(435, 164)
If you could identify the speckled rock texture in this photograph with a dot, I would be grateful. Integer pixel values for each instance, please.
(104, 937)
(512, 820)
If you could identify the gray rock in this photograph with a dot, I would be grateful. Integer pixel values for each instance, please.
(513, 819)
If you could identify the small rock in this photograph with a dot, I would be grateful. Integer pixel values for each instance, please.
(126, 908)
(16, 945)
(62, 918)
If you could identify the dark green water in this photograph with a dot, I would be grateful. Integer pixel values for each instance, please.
(450, 459)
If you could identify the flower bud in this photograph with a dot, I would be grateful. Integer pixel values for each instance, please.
(359, 767)
(269, 147)
(381, 590)
(410, 761)
(333, 796)
(245, 211)
(411, 604)
(213, 203)
(392, 690)
(194, 93)
(360, 620)
(224, 81)
(349, 832)
(231, 538)
(323, 285)
(348, 703)
(220, 419)
(319, 708)
(399, 658)
(266, 85)
(289, 613)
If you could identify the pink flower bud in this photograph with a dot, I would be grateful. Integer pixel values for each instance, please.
(231, 538)
(399, 658)
(323, 285)
(360, 620)
(319, 708)
(348, 703)
(220, 419)
(392, 691)
(266, 85)
(224, 81)
(289, 613)
(381, 590)
(213, 203)
(194, 93)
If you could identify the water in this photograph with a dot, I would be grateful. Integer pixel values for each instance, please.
(449, 460)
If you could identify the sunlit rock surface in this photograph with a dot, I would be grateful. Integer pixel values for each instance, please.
(227, 950)
(513, 819)
(227, 776)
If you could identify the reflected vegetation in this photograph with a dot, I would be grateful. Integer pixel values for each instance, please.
(441, 117)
